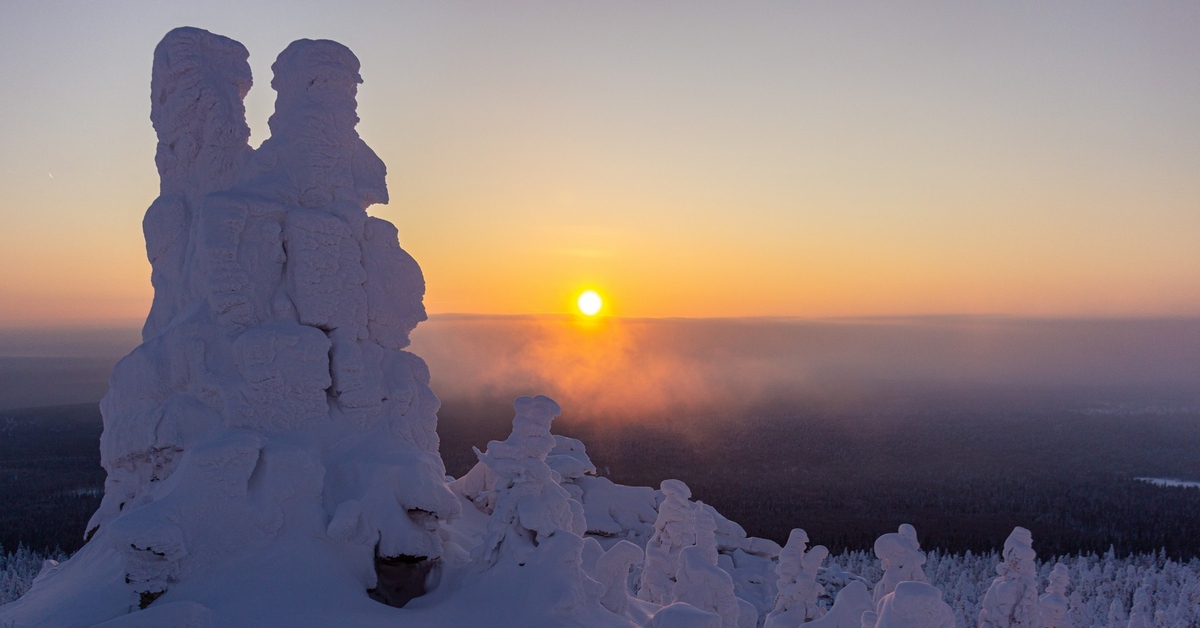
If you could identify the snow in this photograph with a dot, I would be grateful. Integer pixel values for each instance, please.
(901, 558)
(797, 600)
(1012, 600)
(273, 457)
(912, 605)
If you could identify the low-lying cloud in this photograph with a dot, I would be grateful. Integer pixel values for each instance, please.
(666, 367)
(679, 369)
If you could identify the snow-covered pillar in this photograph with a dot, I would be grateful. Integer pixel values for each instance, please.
(270, 403)
(197, 86)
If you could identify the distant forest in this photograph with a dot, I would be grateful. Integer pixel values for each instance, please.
(50, 476)
(964, 469)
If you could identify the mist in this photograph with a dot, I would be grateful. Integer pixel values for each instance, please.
(613, 370)
(638, 369)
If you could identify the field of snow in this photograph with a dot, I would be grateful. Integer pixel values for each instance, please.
(1105, 588)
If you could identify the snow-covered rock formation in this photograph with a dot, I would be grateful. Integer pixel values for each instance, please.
(270, 424)
(1012, 600)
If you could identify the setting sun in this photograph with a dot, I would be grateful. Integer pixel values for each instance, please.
(590, 303)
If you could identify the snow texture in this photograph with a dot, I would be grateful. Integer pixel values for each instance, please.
(612, 571)
(911, 605)
(848, 608)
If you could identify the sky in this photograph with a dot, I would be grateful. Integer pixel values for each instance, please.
(684, 159)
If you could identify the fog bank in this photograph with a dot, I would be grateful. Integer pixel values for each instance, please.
(637, 368)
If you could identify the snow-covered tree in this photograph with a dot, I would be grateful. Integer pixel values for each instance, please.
(699, 581)
(1012, 600)
(530, 505)
(674, 529)
(797, 600)
(612, 571)
(901, 559)
(1055, 608)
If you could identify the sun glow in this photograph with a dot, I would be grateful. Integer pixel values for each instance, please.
(590, 303)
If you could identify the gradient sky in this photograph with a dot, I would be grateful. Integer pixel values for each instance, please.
(684, 158)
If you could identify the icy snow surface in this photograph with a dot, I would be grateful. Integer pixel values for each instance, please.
(273, 458)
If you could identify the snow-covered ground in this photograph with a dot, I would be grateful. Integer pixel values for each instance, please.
(1104, 586)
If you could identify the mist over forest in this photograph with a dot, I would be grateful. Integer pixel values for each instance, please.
(1039, 423)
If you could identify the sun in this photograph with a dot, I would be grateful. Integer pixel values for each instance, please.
(590, 303)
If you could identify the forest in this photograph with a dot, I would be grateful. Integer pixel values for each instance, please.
(963, 468)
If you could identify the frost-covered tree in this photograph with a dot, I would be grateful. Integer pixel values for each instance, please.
(799, 593)
(535, 530)
(901, 559)
(530, 505)
(1055, 608)
(1012, 600)
(1140, 615)
(700, 582)
(674, 529)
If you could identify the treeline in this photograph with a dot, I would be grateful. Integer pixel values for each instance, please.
(50, 476)
(964, 471)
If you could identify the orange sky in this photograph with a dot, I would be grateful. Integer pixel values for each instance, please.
(689, 159)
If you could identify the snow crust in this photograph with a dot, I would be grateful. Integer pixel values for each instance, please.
(272, 448)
